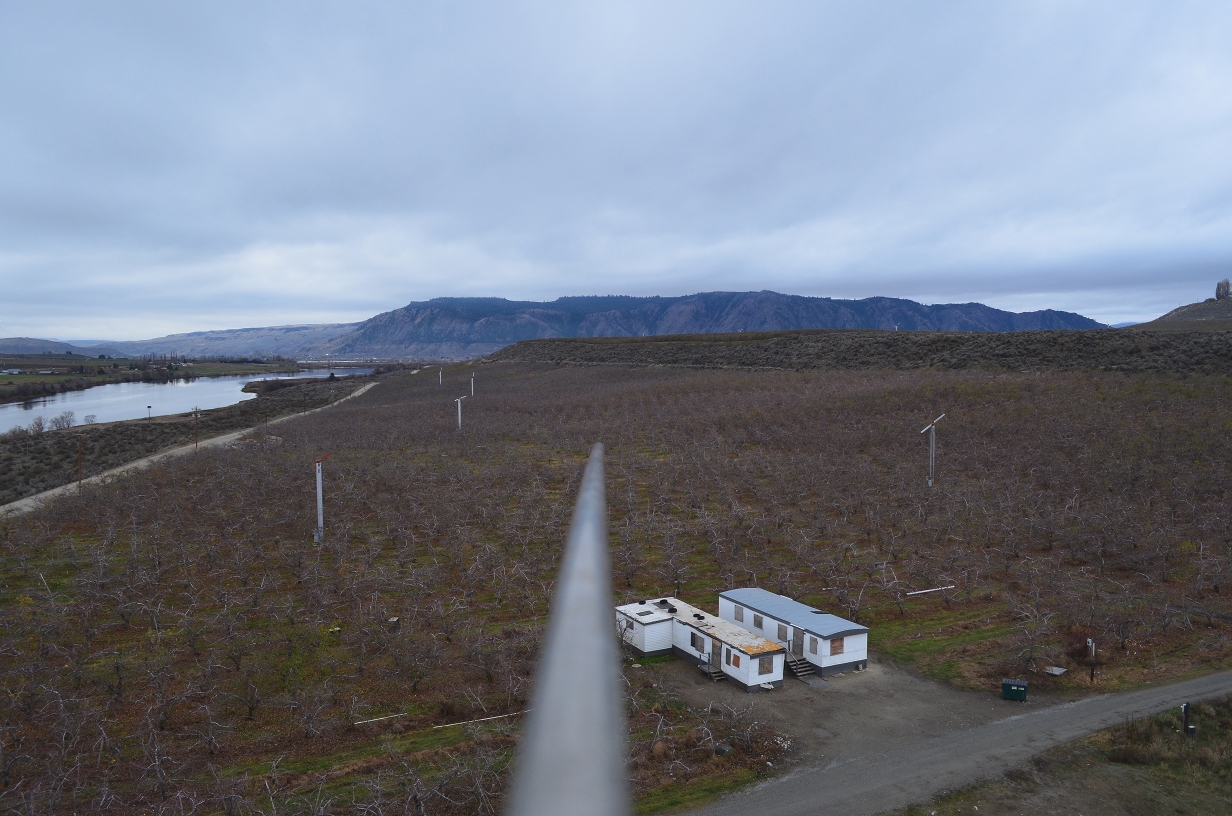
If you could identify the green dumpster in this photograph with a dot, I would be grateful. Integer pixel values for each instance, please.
(1014, 690)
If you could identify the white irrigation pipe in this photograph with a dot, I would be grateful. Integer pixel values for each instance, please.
(482, 719)
(447, 725)
(934, 589)
(377, 719)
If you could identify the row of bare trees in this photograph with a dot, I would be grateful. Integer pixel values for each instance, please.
(165, 634)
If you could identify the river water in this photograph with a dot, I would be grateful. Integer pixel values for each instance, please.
(111, 403)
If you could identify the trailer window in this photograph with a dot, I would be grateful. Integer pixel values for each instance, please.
(727, 657)
(836, 646)
(813, 645)
(736, 661)
(782, 632)
(697, 642)
(757, 621)
(740, 613)
(628, 624)
(765, 665)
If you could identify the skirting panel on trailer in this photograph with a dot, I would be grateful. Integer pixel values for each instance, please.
(839, 668)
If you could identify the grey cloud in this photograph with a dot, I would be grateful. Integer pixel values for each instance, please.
(178, 167)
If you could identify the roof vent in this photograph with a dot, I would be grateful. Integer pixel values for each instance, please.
(672, 609)
(699, 616)
(643, 603)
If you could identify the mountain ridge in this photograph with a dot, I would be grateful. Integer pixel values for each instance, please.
(466, 328)
(474, 327)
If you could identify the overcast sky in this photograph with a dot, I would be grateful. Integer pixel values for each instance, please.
(183, 166)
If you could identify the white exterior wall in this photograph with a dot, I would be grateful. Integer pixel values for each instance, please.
(855, 647)
(635, 637)
(747, 673)
(658, 636)
(727, 611)
(653, 637)
(682, 640)
(770, 626)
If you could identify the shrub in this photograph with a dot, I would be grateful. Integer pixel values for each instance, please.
(64, 421)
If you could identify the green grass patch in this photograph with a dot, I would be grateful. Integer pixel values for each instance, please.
(651, 661)
(694, 793)
(431, 739)
(926, 646)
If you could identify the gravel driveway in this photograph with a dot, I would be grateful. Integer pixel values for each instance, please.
(883, 739)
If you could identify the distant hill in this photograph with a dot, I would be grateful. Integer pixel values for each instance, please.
(1108, 350)
(33, 345)
(461, 328)
(288, 341)
(465, 328)
(1209, 315)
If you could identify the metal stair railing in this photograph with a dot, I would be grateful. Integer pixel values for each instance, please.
(572, 758)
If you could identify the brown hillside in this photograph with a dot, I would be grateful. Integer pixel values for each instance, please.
(1101, 349)
(1209, 315)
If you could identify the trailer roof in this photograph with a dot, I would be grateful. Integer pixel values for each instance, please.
(799, 615)
(644, 612)
(726, 633)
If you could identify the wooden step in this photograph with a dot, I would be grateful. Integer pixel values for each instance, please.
(799, 666)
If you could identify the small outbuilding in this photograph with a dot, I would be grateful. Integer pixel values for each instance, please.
(720, 649)
(815, 640)
(646, 626)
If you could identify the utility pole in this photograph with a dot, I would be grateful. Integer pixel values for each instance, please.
(932, 446)
(459, 401)
(149, 412)
(319, 536)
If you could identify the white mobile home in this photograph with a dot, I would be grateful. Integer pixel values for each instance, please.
(722, 650)
(827, 642)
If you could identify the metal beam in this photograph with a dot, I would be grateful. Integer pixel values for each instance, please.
(572, 757)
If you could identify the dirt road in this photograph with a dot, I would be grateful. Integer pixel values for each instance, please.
(31, 502)
(913, 769)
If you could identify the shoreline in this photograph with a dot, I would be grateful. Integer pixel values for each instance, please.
(29, 503)
(87, 382)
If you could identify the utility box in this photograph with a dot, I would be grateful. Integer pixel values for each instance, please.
(1014, 690)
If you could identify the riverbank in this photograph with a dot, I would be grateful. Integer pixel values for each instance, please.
(46, 376)
(34, 463)
(31, 502)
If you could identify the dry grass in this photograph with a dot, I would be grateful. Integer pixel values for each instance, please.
(1141, 768)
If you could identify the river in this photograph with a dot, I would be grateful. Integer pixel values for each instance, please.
(111, 403)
